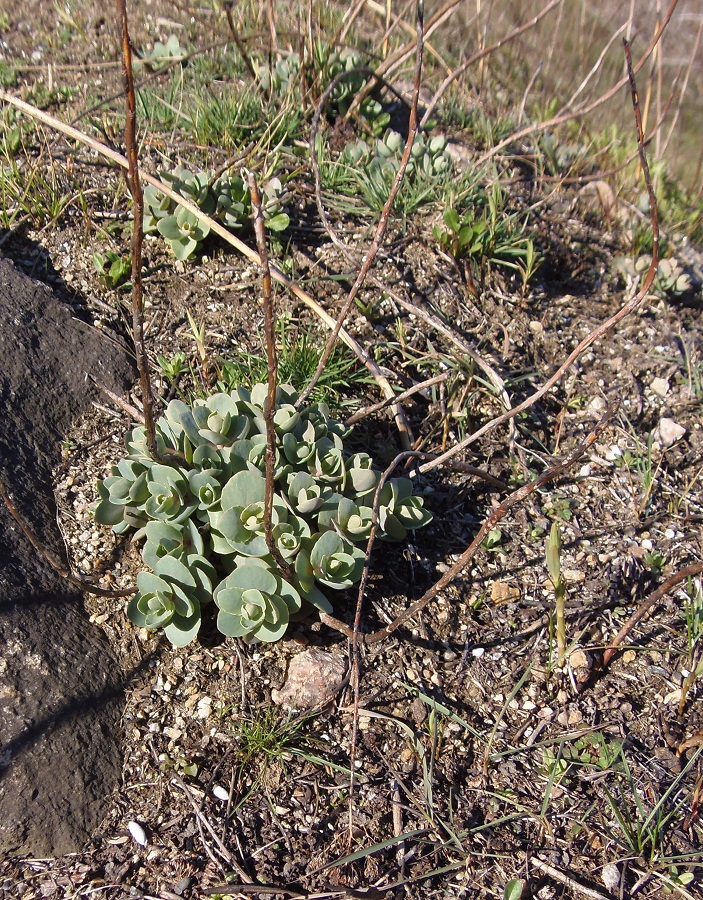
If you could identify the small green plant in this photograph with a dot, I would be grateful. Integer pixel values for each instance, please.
(553, 555)
(486, 233)
(226, 199)
(367, 171)
(299, 351)
(201, 514)
(161, 54)
(644, 828)
(594, 749)
(174, 367)
(670, 281)
(655, 561)
(113, 268)
(492, 541)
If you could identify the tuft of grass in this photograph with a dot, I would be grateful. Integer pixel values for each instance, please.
(299, 351)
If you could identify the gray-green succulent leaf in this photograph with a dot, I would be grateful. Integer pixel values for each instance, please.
(255, 602)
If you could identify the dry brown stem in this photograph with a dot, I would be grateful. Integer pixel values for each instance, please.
(481, 54)
(135, 189)
(647, 604)
(272, 365)
(355, 656)
(382, 222)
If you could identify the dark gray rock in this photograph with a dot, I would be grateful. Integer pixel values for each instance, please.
(60, 694)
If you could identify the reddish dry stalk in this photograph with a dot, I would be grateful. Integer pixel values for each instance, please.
(354, 652)
(647, 604)
(239, 43)
(272, 360)
(135, 189)
(382, 222)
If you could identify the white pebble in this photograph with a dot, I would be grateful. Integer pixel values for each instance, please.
(219, 792)
(137, 832)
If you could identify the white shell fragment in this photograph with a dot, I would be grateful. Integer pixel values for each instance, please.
(137, 832)
(220, 792)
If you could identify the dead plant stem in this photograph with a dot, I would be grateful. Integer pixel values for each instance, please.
(135, 189)
(383, 220)
(647, 604)
(272, 376)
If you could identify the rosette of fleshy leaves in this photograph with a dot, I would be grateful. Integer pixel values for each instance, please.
(183, 232)
(193, 186)
(157, 205)
(200, 510)
(160, 55)
(170, 596)
(255, 602)
(232, 201)
(279, 78)
(333, 63)
(429, 156)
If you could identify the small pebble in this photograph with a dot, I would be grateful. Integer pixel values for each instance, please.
(220, 792)
(610, 876)
(137, 832)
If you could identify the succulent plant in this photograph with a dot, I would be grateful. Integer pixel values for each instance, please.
(428, 158)
(255, 602)
(193, 186)
(201, 517)
(227, 200)
(160, 54)
(183, 232)
(232, 201)
(279, 78)
(170, 597)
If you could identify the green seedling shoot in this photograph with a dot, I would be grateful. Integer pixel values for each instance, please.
(553, 555)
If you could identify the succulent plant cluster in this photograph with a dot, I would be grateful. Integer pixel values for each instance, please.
(672, 281)
(428, 157)
(161, 54)
(327, 64)
(201, 514)
(225, 199)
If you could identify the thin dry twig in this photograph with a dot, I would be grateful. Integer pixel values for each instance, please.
(135, 189)
(203, 820)
(647, 604)
(239, 43)
(481, 54)
(502, 510)
(499, 513)
(566, 880)
(55, 563)
(354, 652)
(272, 371)
(383, 219)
